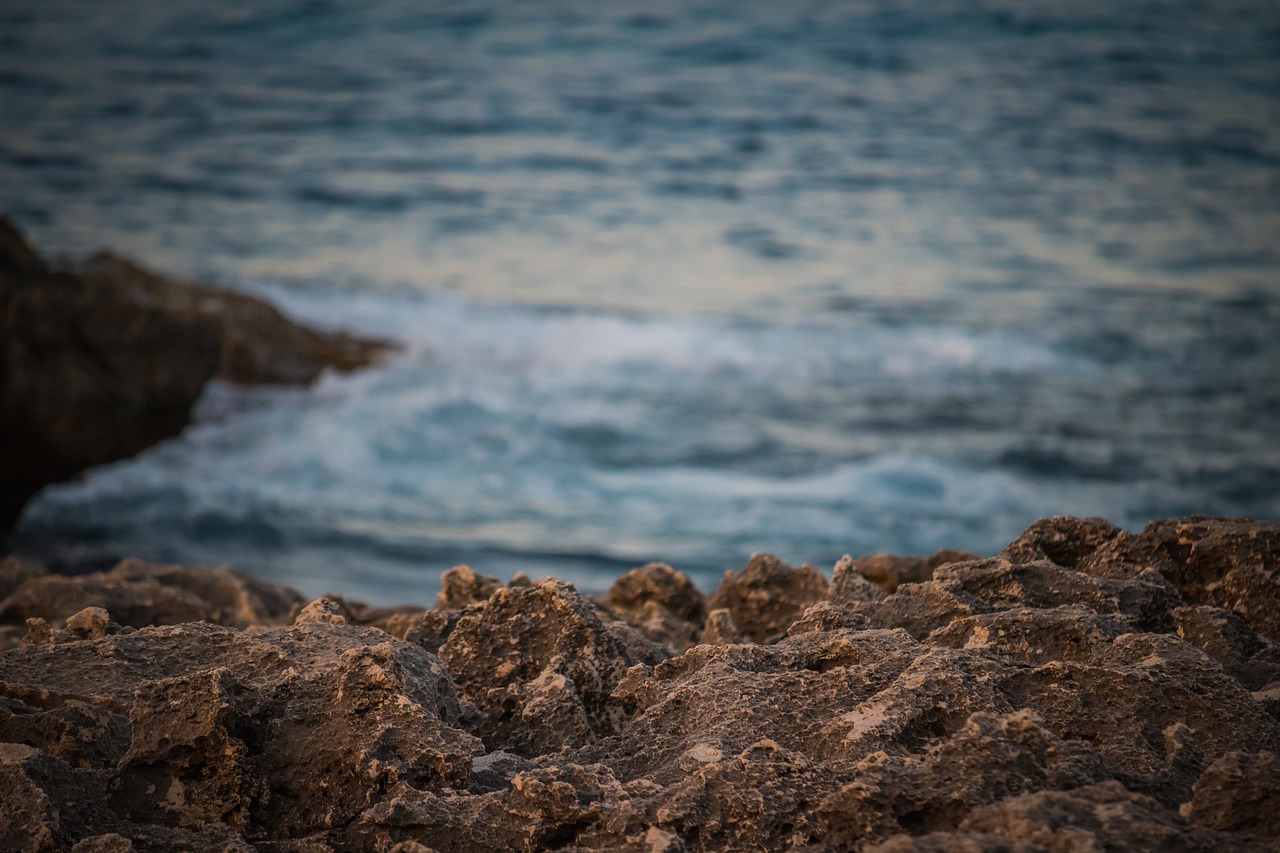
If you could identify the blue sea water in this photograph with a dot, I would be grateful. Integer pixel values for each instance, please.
(675, 281)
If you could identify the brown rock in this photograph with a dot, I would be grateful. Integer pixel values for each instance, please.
(101, 362)
(460, 586)
(767, 596)
(541, 664)
(662, 603)
(889, 571)
(1004, 705)
(1240, 792)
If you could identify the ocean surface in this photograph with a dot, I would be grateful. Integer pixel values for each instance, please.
(675, 281)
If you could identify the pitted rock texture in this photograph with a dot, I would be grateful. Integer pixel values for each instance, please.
(1086, 690)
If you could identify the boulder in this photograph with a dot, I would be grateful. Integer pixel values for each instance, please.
(103, 360)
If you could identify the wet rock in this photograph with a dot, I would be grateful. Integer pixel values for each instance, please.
(102, 361)
(767, 596)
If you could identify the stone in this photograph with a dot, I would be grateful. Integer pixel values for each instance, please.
(662, 602)
(460, 586)
(102, 360)
(1079, 693)
(767, 596)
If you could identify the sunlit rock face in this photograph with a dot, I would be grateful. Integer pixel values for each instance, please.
(1086, 689)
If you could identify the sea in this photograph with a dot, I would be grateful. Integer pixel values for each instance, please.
(672, 281)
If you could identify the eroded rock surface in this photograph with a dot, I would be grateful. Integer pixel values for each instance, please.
(1088, 689)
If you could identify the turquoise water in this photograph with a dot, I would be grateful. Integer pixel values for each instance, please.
(675, 281)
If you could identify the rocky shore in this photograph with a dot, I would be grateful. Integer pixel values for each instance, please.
(101, 359)
(1087, 689)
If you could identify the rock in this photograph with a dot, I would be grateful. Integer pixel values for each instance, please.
(1239, 793)
(137, 593)
(767, 596)
(1145, 601)
(662, 602)
(849, 586)
(541, 665)
(14, 573)
(1105, 816)
(460, 586)
(101, 362)
(889, 571)
(1229, 563)
(719, 629)
(1066, 696)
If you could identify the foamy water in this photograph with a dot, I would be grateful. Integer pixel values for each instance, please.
(679, 282)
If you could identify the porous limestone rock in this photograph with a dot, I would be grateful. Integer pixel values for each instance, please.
(767, 596)
(1086, 690)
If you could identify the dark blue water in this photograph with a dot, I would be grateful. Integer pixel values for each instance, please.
(676, 281)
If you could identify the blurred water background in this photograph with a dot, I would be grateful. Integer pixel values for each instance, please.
(676, 281)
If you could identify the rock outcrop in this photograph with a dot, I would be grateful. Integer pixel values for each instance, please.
(102, 360)
(1087, 689)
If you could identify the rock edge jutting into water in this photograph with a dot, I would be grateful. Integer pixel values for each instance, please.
(1086, 689)
(102, 360)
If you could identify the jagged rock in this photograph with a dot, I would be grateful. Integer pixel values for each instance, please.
(825, 616)
(1105, 816)
(1069, 632)
(110, 842)
(1222, 562)
(958, 590)
(662, 602)
(889, 571)
(1228, 639)
(461, 586)
(849, 586)
(762, 798)
(1240, 792)
(719, 629)
(81, 734)
(541, 664)
(298, 729)
(47, 803)
(1064, 540)
(767, 596)
(1044, 701)
(102, 361)
(137, 593)
(992, 757)
(325, 610)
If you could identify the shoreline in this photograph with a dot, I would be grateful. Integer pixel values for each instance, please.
(1085, 686)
